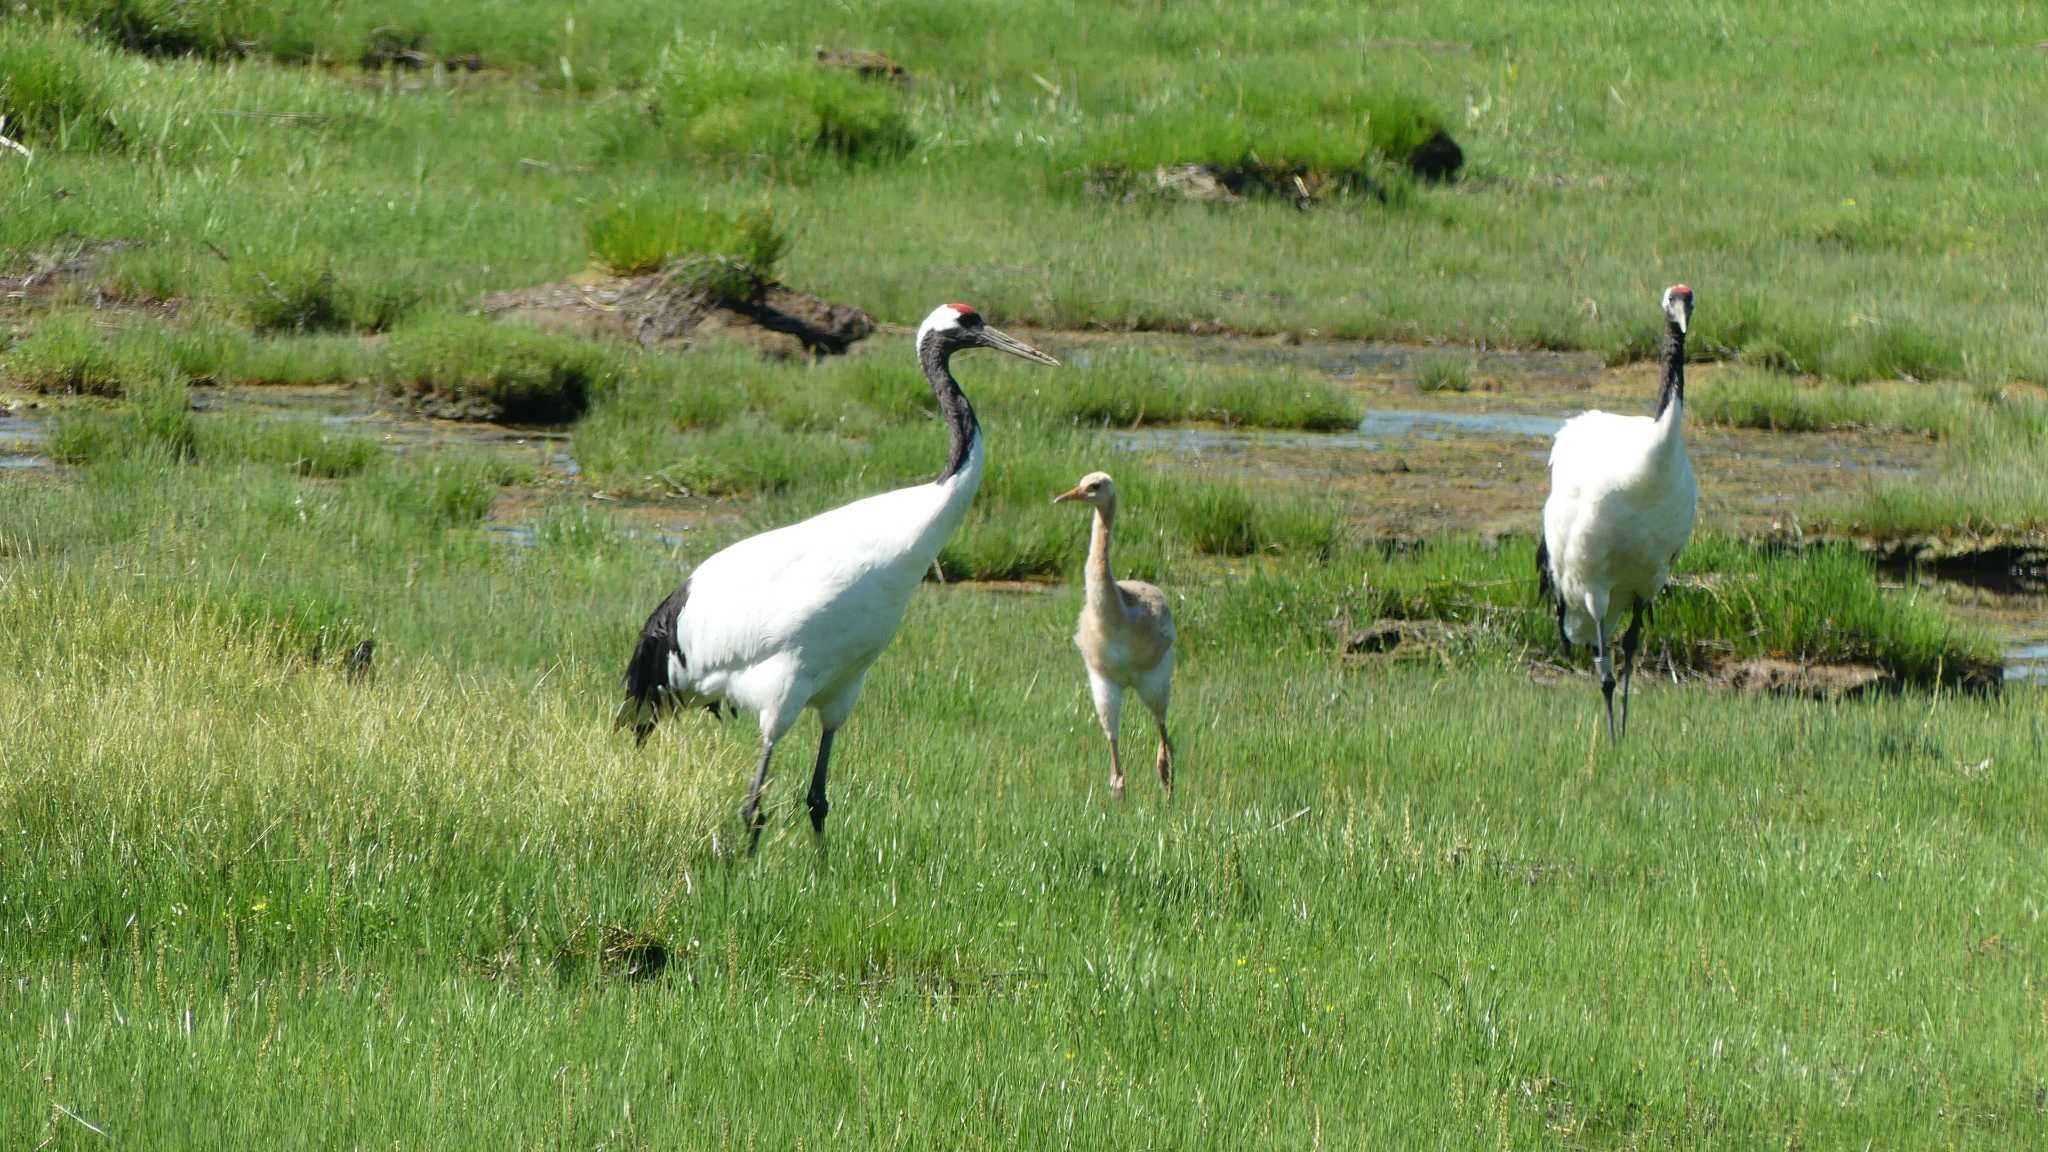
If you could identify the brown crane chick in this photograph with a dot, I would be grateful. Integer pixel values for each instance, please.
(1125, 635)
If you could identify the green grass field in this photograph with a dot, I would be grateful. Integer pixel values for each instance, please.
(1418, 899)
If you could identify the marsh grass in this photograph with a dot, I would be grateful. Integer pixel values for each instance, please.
(301, 446)
(1343, 143)
(170, 28)
(1445, 374)
(516, 373)
(1130, 388)
(1748, 399)
(53, 91)
(67, 354)
(301, 292)
(765, 106)
(79, 352)
(643, 233)
(249, 900)
(247, 862)
(1924, 275)
(1988, 480)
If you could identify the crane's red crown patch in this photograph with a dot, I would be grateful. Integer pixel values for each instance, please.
(963, 309)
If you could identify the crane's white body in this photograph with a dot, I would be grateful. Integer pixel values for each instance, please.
(1621, 507)
(793, 618)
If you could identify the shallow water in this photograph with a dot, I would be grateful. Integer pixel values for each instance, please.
(2027, 663)
(19, 439)
(1372, 434)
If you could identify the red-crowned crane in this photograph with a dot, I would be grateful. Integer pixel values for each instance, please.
(1125, 635)
(791, 619)
(1621, 507)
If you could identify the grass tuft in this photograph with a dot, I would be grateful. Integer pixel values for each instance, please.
(732, 257)
(1445, 374)
(300, 292)
(67, 353)
(54, 91)
(764, 106)
(471, 366)
(1127, 388)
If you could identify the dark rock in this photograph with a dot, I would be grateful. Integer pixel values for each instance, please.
(388, 47)
(357, 665)
(1438, 158)
(1399, 638)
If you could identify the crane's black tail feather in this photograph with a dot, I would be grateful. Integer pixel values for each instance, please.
(648, 691)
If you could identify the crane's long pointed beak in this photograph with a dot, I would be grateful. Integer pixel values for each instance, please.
(1004, 342)
(1069, 494)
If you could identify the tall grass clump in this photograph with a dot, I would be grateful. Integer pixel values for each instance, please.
(56, 91)
(77, 353)
(1747, 399)
(468, 365)
(206, 28)
(1445, 374)
(301, 446)
(67, 353)
(300, 291)
(1989, 480)
(154, 422)
(729, 257)
(1220, 519)
(710, 100)
(1128, 388)
(1288, 146)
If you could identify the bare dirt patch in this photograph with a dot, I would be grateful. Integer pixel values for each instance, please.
(666, 308)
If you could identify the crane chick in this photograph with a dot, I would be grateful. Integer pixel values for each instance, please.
(1621, 507)
(1125, 635)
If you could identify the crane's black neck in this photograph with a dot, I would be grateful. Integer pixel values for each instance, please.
(1673, 391)
(935, 356)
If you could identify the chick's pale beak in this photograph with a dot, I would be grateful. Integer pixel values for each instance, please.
(1004, 342)
(1069, 494)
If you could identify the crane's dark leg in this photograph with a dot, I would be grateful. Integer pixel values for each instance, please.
(817, 797)
(1629, 640)
(751, 814)
(1604, 661)
(1561, 637)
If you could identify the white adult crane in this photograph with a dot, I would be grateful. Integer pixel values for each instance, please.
(1621, 507)
(791, 619)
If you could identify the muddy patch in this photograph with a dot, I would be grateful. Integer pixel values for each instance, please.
(1770, 676)
(864, 64)
(48, 278)
(671, 307)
